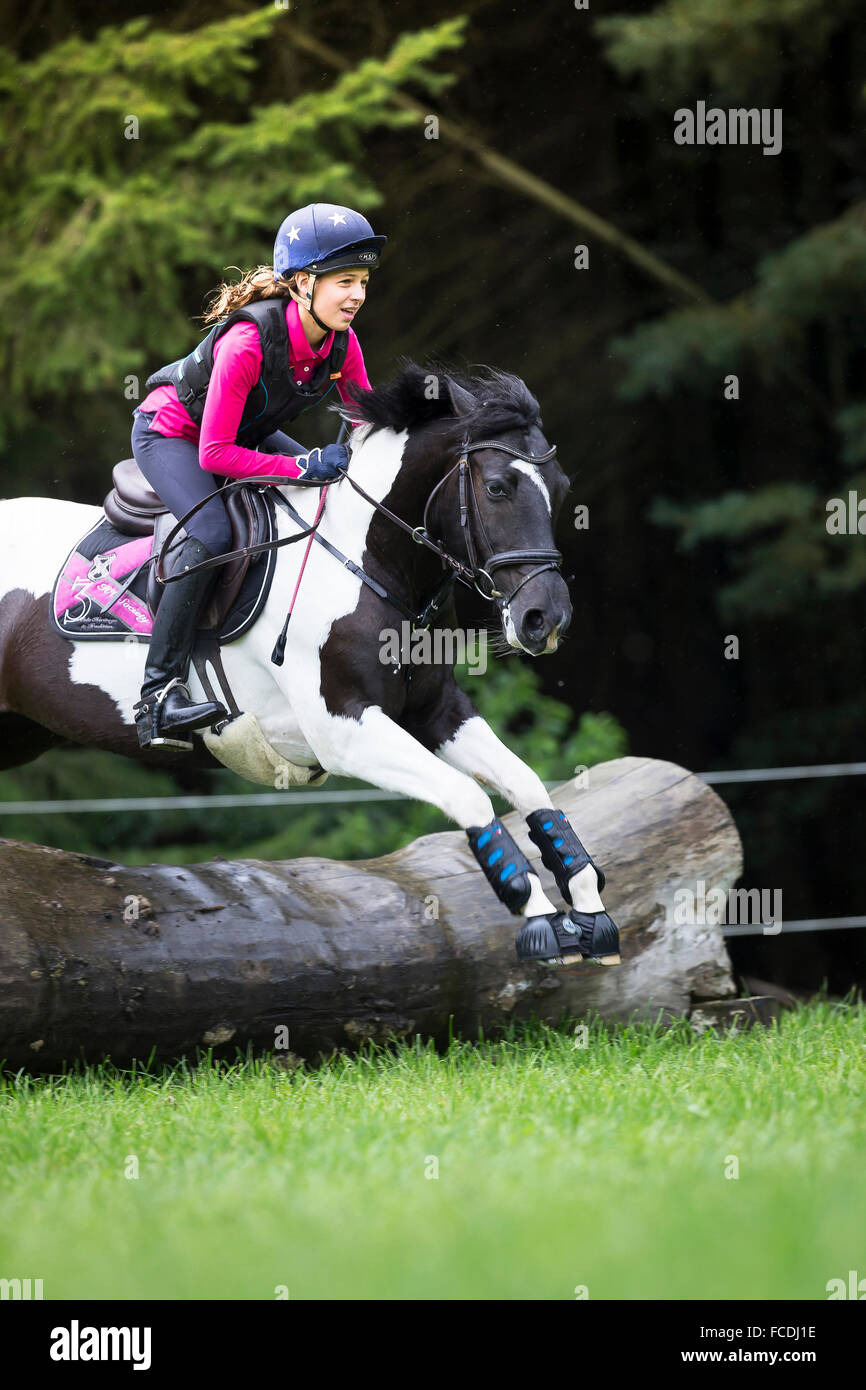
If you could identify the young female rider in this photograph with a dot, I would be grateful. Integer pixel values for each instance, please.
(282, 340)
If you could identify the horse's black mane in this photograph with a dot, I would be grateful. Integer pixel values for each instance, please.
(419, 394)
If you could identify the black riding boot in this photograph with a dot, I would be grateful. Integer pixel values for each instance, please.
(166, 708)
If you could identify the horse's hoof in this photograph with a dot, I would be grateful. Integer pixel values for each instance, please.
(560, 938)
(600, 934)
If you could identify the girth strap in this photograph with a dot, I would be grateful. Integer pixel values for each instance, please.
(207, 649)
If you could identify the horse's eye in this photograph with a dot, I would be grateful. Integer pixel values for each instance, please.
(496, 490)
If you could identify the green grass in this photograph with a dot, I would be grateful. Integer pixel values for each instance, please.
(558, 1166)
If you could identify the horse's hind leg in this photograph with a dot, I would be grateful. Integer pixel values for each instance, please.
(21, 740)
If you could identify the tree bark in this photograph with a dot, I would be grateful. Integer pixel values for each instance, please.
(225, 954)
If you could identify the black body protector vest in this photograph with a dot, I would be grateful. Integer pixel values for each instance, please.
(276, 395)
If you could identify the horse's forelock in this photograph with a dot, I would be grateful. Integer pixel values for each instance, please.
(418, 395)
(504, 402)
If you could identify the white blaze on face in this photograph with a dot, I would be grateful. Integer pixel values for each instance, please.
(511, 632)
(532, 471)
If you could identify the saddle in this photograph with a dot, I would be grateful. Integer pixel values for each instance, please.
(87, 602)
(134, 509)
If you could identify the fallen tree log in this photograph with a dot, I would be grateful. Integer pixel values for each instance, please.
(99, 959)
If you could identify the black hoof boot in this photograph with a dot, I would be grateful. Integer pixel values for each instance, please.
(561, 938)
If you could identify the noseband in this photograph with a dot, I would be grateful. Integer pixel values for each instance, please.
(469, 575)
(543, 559)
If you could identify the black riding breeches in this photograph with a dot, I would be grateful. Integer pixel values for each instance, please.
(172, 468)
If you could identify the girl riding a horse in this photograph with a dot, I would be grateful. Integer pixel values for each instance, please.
(282, 339)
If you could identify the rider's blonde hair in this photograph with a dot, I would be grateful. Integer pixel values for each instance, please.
(254, 284)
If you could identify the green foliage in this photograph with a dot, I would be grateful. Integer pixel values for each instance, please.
(103, 224)
(695, 348)
(739, 45)
(69, 774)
(776, 538)
(538, 728)
(818, 279)
(819, 276)
(791, 558)
(736, 514)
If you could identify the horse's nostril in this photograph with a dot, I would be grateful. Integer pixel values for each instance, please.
(534, 621)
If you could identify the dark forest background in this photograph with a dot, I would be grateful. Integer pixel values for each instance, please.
(708, 515)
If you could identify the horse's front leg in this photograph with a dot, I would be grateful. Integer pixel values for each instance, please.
(371, 745)
(463, 739)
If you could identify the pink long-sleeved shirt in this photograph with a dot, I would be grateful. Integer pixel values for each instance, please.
(237, 365)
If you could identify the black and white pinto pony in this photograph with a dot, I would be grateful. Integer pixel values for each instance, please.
(472, 460)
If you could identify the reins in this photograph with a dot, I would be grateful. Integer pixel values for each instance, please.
(469, 575)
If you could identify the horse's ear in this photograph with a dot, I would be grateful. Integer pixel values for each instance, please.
(462, 401)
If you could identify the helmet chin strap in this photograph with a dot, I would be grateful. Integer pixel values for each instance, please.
(309, 304)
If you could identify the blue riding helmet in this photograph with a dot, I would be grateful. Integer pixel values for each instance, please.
(322, 237)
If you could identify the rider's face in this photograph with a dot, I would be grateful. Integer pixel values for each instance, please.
(339, 296)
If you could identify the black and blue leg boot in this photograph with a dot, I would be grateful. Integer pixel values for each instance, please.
(166, 710)
(591, 935)
(550, 938)
(503, 863)
(561, 850)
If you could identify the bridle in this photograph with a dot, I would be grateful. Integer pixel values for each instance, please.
(466, 574)
(468, 500)
(549, 559)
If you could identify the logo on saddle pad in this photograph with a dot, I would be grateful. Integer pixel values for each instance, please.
(102, 567)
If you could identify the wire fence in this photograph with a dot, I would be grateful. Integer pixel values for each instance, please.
(316, 797)
(805, 924)
(356, 794)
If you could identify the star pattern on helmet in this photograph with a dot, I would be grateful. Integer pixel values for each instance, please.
(336, 218)
(294, 233)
